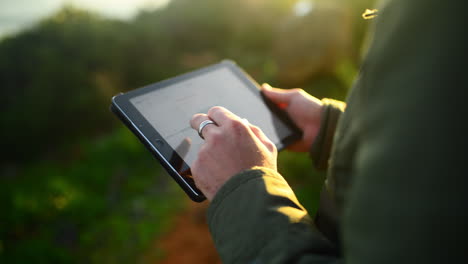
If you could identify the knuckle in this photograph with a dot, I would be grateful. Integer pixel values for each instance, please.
(270, 146)
(237, 126)
(255, 128)
(297, 91)
(194, 118)
(214, 109)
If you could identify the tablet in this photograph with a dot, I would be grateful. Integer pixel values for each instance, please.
(159, 115)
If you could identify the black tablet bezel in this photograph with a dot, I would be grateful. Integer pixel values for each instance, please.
(160, 148)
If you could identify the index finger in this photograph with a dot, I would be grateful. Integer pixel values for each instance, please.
(221, 115)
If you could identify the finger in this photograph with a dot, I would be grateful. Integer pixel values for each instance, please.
(221, 115)
(279, 96)
(262, 137)
(197, 119)
(207, 129)
(258, 133)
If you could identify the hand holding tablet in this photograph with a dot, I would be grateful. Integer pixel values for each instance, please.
(231, 145)
(159, 115)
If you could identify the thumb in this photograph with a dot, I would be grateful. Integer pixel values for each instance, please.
(278, 96)
(262, 137)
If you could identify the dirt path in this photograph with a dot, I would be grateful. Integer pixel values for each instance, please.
(189, 240)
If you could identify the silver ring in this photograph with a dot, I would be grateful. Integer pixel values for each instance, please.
(203, 125)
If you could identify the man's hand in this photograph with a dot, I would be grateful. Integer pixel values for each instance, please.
(231, 146)
(304, 109)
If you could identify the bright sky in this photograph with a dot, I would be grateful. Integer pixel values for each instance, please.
(17, 14)
(303, 7)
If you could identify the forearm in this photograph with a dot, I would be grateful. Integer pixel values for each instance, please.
(256, 217)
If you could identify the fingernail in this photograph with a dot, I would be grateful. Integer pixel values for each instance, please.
(266, 86)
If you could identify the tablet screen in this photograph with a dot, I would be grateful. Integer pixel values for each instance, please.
(169, 109)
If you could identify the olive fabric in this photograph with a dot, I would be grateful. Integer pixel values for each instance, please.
(321, 148)
(396, 170)
(269, 226)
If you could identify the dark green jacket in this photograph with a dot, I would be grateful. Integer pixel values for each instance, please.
(396, 173)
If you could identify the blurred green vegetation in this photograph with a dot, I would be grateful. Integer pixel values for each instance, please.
(75, 185)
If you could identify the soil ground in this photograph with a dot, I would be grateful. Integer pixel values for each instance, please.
(188, 240)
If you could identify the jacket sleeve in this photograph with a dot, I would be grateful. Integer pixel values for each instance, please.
(327, 216)
(268, 225)
(321, 148)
